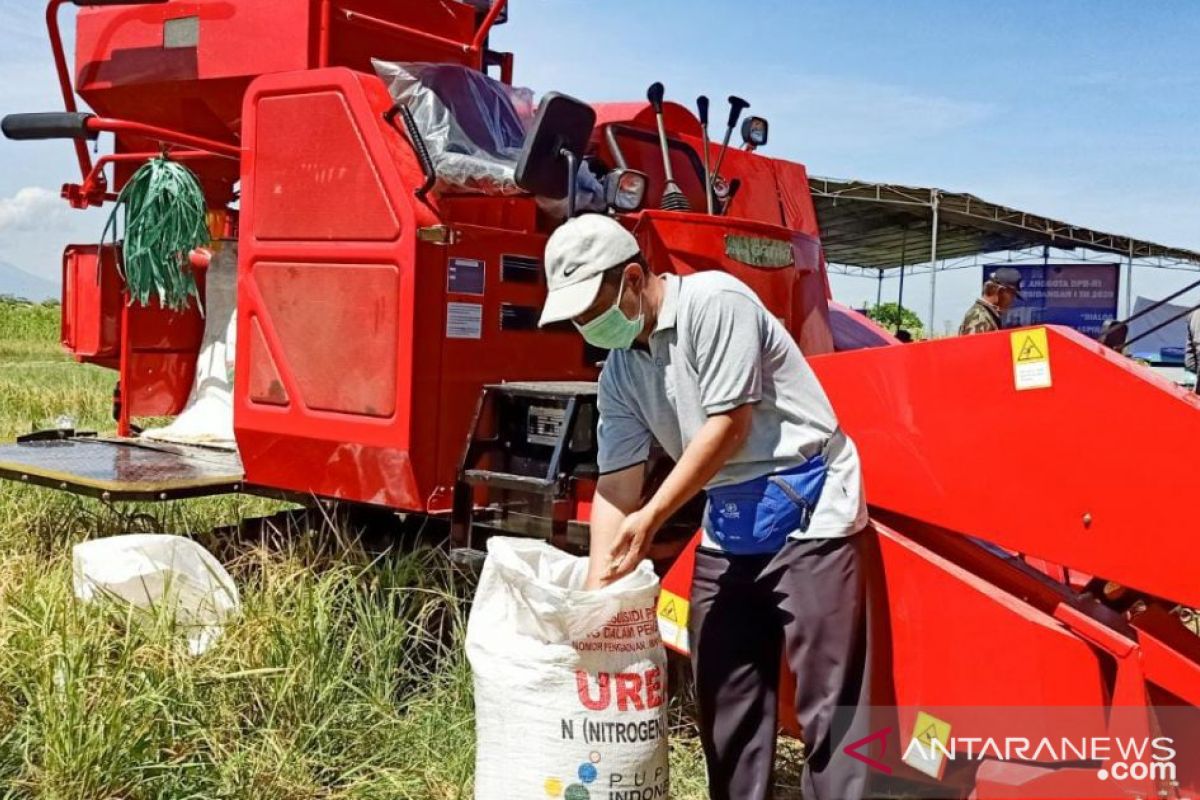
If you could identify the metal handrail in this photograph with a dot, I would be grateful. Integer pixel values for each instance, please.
(64, 79)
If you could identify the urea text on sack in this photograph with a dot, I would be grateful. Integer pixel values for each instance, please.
(628, 691)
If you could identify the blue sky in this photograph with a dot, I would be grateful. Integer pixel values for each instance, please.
(1087, 111)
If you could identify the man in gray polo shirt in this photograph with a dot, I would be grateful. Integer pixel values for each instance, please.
(698, 364)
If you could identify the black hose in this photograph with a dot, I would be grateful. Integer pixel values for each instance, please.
(418, 145)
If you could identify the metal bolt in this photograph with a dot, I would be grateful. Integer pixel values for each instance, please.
(1087, 520)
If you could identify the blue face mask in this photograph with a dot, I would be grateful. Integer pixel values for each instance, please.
(612, 330)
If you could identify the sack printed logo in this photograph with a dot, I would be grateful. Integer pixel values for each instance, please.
(644, 785)
(732, 511)
(587, 774)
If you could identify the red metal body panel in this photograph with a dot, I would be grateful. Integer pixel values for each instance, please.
(774, 194)
(128, 64)
(185, 66)
(91, 304)
(161, 357)
(1027, 658)
(946, 438)
(305, 340)
(161, 345)
(351, 362)
(685, 243)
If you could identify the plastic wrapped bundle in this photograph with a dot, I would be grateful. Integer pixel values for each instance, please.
(474, 126)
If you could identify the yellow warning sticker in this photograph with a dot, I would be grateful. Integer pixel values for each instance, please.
(673, 607)
(672, 620)
(926, 751)
(1031, 359)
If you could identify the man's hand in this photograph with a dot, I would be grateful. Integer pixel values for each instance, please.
(621, 532)
(618, 495)
(632, 542)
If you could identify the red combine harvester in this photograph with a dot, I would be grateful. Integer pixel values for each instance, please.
(388, 282)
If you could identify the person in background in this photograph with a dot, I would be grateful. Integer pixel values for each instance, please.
(985, 314)
(700, 365)
(1191, 356)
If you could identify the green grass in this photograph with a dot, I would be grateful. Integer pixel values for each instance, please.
(345, 676)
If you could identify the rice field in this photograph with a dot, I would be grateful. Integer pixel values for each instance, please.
(344, 677)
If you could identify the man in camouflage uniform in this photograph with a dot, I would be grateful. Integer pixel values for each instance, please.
(1191, 357)
(984, 315)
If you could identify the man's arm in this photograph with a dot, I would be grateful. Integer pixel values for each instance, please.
(617, 496)
(715, 443)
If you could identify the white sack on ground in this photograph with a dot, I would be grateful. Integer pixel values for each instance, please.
(570, 685)
(150, 570)
(208, 416)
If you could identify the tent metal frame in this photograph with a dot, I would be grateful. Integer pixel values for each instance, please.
(870, 228)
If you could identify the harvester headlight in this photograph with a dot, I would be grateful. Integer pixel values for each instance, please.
(625, 189)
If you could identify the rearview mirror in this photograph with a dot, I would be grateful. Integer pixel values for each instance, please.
(554, 146)
(755, 131)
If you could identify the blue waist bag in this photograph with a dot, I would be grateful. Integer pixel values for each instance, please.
(757, 516)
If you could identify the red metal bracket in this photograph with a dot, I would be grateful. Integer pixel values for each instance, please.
(94, 189)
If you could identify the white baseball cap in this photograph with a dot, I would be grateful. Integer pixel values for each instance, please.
(577, 256)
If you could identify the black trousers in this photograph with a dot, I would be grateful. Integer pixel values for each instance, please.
(809, 602)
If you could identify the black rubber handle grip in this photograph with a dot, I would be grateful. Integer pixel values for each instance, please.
(702, 105)
(86, 3)
(47, 125)
(655, 95)
(736, 106)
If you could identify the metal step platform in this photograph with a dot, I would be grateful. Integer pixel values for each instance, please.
(122, 469)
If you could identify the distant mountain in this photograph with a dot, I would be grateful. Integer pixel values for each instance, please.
(16, 282)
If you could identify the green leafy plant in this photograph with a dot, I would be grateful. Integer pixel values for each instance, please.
(164, 218)
(895, 316)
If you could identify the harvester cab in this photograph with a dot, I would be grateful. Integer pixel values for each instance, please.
(379, 207)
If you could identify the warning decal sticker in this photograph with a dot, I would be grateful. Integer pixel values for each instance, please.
(1031, 359)
(464, 321)
(672, 621)
(927, 751)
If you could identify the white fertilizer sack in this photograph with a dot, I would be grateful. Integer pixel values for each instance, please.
(150, 571)
(570, 685)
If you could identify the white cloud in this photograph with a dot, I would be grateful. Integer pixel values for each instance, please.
(35, 225)
(31, 208)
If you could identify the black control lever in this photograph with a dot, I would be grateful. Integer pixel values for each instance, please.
(673, 199)
(736, 106)
(702, 107)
